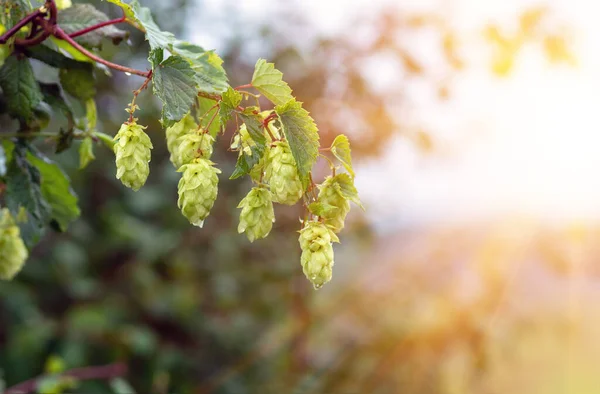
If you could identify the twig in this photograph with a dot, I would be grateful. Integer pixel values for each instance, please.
(98, 26)
(136, 93)
(59, 33)
(248, 85)
(87, 373)
(13, 30)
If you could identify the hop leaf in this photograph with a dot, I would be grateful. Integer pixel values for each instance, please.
(257, 216)
(330, 194)
(177, 130)
(282, 174)
(13, 252)
(317, 252)
(198, 189)
(132, 151)
(192, 146)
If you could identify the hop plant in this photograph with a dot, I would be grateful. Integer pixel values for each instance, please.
(175, 132)
(132, 151)
(282, 174)
(191, 146)
(317, 252)
(197, 190)
(330, 194)
(13, 252)
(257, 216)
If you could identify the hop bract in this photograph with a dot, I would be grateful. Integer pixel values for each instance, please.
(257, 216)
(330, 193)
(187, 124)
(197, 190)
(192, 146)
(317, 252)
(132, 150)
(13, 252)
(282, 174)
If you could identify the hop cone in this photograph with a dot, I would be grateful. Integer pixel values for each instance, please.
(330, 194)
(173, 133)
(198, 188)
(132, 151)
(317, 252)
(282, 174)
(13, 252)
(257, 215)
(192, 146)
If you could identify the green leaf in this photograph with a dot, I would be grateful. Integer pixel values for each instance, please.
(12, 11)
(254, 126)
(156, 57)
(79, 83)
(268, 81)
(91, 114)
(143, 16)
(321, 209)
(47, 55)
(302, 135)
(67, 48)
(86, 152)
(173, 83)
(120, 386)
(207, 110)
(230, 100)
(56, 189)
(127, 9)
(348, 189)
(20, 88)
(209, 74)
(340, 147)
(54, 97)
(23, 190)
(245, 162)
(81, 16)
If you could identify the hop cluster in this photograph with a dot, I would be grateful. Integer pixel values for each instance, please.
(197, 190)
(132, 151)
(13, 252)
(192, 146)
(317, 252)
(174, 132)
(282, 174)
(257, 216)
(330, 194)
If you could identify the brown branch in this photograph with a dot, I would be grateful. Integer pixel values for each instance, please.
(87, 373)
(60, 33)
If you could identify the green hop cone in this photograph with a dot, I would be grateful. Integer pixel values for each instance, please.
(330, 194)
(132, 151)
(197, 190)
(186, 125)
(317, 252)
(282, 174)
(257, 216)
(192, 146)
(13, 252)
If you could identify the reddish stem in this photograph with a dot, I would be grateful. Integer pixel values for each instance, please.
(136, 93)
(98, 26)
(88, 373)
(13, 30)
(60, 33)
(249, 85)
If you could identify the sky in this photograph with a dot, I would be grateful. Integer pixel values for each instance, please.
(522, 145)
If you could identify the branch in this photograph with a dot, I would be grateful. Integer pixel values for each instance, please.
(13, 30)
(60, 33)
(87, 373)
(98, 26)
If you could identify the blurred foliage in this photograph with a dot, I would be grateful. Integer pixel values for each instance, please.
(205, 311)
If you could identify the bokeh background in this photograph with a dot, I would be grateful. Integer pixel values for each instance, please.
(474, 269)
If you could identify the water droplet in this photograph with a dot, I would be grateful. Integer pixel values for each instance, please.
(127, 73)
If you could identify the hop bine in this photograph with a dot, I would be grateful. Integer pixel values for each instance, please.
(257, 216)
(317, 252)
(13, 252)
(197, 190)
(330, 194)
(132, 151)
(282, 174)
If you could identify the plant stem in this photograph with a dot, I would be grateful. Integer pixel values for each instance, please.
(59, 33)
(20, 134)
(136, 93)
(248, 85)
(210, 96)
(98, 26)
(13, 30)
(110, 371)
